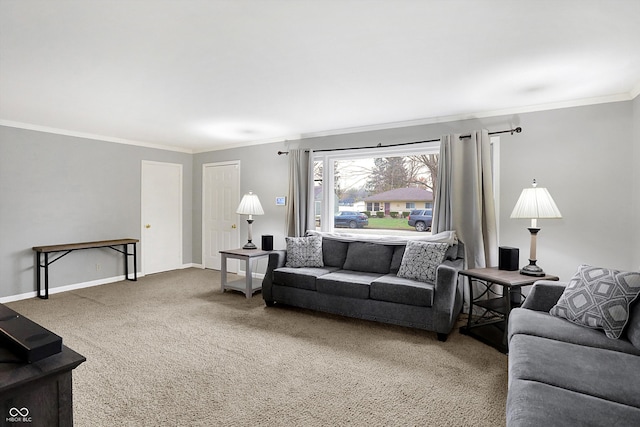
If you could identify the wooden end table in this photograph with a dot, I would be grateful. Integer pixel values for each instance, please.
(491, 327)
(248, 285)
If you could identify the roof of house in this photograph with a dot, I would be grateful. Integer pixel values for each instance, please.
(402, 195)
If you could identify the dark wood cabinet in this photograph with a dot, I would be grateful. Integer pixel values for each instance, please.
(38, 394)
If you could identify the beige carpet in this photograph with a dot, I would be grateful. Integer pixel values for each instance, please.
(173, 350)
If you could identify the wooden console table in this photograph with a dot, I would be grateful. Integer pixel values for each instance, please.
(70, 247)
(38, 394)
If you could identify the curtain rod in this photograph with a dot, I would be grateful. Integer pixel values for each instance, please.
(511, 131)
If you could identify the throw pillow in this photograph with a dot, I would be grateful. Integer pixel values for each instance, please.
(421, 260)
(304, 251)
(599, 298)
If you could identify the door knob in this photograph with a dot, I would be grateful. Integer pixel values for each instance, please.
(233, 226)
(147, 226)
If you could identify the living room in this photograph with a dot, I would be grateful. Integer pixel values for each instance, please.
(62, 184)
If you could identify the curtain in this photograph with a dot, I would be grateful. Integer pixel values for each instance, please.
(464, 197)
(300, 209)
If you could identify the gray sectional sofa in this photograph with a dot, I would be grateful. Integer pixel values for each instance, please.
(565, 374)
(358, 278)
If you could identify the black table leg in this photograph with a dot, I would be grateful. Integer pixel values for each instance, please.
(126, 260)
(46, 276)
(38, 279)
(135, 263)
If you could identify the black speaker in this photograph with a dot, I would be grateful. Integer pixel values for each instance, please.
(267, 242)
(508, 258)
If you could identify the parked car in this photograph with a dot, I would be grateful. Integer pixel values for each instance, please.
(350, 219)
(421, 219)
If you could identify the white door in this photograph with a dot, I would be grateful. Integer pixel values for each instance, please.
(220, 199)
(161, 217)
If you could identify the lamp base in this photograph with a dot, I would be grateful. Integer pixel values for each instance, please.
(250, 245)
(532, 269)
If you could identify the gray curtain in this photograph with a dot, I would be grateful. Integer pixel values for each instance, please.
(300, 206)
(464, 197)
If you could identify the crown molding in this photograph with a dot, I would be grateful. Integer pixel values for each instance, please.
(66, 132)
(477, 115)
(333, 132)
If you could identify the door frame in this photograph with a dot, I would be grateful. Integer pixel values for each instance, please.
(143, 244)
(203, 236)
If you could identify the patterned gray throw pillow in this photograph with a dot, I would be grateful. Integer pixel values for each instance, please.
(599, 298)
(421, 260)
(304, 251)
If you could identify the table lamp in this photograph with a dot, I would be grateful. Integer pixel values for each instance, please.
(535, 203)
(250, 205)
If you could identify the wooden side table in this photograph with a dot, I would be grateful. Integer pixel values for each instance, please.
(491, 327)
(248, 286)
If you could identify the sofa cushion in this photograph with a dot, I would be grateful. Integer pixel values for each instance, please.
(404, 291)
(396, 259)
(534, 404)
(633, 326)
(304, 251)
(421, 260)
(368, 257)
(593, 371)
(542, 324)
(599, 298)
(334, 252)
(302, 277)
(345, 283)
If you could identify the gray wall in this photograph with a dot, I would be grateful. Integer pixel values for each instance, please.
(261, 171)
(583, 155)
(61, 189)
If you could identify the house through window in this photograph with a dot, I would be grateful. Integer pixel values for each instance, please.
(373, 190)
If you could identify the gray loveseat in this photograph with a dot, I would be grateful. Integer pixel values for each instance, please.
(359, 279)
(564, 374)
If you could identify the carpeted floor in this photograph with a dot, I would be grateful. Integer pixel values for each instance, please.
(173, 350)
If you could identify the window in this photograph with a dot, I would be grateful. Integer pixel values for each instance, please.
(371, 206)
(354, 177)
(360, 182)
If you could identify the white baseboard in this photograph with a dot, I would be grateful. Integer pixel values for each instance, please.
(98, 282)
(66, 288)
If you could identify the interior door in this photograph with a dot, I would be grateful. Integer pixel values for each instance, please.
(220, 226)
(161, 217)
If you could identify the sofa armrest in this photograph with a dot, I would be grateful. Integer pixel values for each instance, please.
(277, 259)
(544, 295)
(447, 301)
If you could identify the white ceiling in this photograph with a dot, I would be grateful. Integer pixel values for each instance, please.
(199, 75)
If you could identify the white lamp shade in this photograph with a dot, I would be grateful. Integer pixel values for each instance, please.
(535, 203)
(250, 205)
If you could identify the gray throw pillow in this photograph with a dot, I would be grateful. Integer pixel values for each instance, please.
(599, 298)
(421, 260)
(304, 251)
